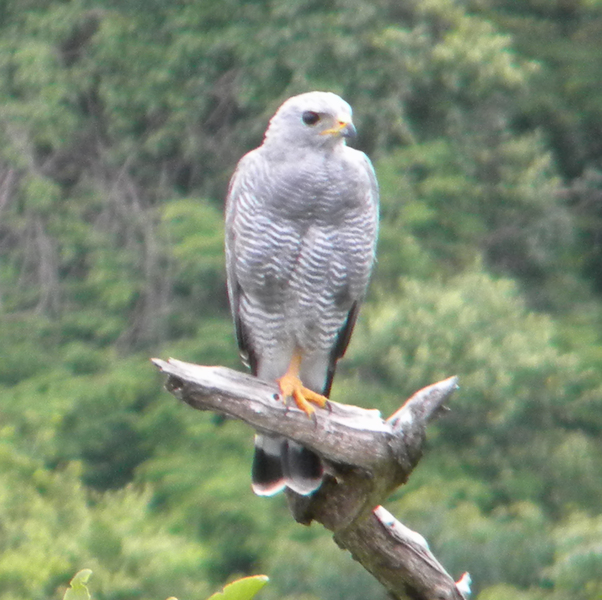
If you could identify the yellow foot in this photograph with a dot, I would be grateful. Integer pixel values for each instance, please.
(291, 386)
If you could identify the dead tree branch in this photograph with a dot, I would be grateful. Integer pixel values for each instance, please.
(366, 457)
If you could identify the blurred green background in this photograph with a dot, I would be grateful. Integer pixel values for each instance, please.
(120, 124)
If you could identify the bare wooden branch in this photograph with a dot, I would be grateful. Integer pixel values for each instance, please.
(366, 458)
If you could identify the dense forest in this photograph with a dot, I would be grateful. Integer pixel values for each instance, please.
(119, 128)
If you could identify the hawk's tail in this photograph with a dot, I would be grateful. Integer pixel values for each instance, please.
(280, 463)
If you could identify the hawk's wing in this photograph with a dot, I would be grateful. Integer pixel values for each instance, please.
(344, 335)
(240, 186)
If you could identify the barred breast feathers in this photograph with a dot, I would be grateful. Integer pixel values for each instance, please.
(301, 244)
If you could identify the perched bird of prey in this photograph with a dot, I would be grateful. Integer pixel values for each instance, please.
(301, 227)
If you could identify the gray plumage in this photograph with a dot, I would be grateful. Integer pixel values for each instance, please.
(301, 227)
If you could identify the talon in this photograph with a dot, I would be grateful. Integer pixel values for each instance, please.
(291, 387)
(303, 402)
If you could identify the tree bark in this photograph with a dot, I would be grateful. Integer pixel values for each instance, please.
(366, 458)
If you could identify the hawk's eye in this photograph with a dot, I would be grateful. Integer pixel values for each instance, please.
(310, 118)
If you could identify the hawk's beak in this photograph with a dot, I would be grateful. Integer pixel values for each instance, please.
(343, 128)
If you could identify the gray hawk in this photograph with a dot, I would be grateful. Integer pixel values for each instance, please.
(301, 228)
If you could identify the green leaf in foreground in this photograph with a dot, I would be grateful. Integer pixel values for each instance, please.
(77, 589)
(242, 589)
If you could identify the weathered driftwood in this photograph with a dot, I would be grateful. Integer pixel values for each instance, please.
(366, 457)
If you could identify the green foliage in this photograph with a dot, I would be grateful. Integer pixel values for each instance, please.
(242, 589)
(307, 567)
(510, 217)
(565, 39)
(77, 589)
(502, 592)
(526, 417)
(577, 571)
(49, 529)
(199, 474)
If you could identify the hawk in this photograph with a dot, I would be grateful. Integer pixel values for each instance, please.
(301, 228)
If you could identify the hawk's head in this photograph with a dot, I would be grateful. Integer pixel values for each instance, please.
(313, 119)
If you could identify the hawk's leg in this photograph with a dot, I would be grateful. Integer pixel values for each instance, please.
(291, 386)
